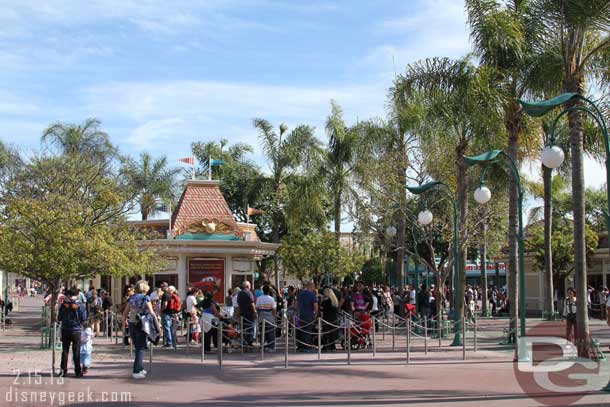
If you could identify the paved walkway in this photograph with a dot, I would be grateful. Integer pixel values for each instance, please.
(441, 378)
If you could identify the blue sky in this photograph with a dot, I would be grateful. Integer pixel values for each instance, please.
(162, 74)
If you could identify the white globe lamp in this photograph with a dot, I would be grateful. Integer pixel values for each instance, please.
(425, 217)
(482, 195)
(552, 157)
(391, 231)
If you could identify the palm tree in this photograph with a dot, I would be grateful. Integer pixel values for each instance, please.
(287, 154)
(460, 113)
(504, 36)
(84, 139)
(152, 180)
(339, 161)
(580, 30)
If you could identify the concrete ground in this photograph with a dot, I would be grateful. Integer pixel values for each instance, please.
(440, 378)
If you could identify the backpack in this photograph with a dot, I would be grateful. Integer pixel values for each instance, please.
(175, 304)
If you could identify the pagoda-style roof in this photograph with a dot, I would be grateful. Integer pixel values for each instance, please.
(203, 214)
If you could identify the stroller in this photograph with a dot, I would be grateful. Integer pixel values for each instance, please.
(230, 337)
(360, 331)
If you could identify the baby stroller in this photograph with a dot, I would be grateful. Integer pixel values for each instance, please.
(360, 331)
(230, 337)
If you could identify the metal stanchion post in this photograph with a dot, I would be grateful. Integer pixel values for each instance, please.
(393, 332)
(264, 325)
(348, 342)
(475, 333)
(440, 327)
(374, 344)
(53, 348)
(464, 340)
(150, 358)
(426, 335)
(287, 341)
(243, 332)
(188, 340)
(294, 332)
(319, 338)
(130, 348)
(110, 325)
(408, 340)
(202, 340)
(220, 328)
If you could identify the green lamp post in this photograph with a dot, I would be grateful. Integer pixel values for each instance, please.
(425, 218)
(553, 156)
(482, 195)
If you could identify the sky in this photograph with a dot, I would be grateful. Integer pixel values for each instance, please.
(160, 75)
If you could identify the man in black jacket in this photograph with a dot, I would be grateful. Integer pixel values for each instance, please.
(72, 315)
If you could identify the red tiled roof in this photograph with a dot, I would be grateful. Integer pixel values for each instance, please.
(201, 200)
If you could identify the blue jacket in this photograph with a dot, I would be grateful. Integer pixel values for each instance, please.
(72, 315)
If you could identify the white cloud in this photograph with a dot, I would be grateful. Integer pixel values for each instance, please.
(432, 28)
(143, 101)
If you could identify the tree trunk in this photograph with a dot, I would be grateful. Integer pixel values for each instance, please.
(483, 256)
(53, 304)
(547, 177)
(578, 207)
(144, 214)
(337, 208)
(400, 235)
(513, 230)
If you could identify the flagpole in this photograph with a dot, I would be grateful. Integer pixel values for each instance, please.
(170, 234)
(210, 169)
(248, 213)
(193, 165)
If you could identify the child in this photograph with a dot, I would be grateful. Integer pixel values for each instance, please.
(86, 348)
(195, 329)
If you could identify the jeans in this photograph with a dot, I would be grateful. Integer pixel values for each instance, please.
(68, 338)
(167, 322)
(138, 338)
(85, 359)
(269, 329)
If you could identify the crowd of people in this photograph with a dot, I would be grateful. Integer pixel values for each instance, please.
(151, 314)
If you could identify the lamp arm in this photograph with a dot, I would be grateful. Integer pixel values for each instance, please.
(484, 174)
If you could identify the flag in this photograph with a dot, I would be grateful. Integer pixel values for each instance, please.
(216, 163)
(187, 160)
(254, 211)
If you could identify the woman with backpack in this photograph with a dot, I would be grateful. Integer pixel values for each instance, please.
(138, 305)
(569, 312)
(95, 312)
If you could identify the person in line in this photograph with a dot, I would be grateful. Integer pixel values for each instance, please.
(72, 315)
(86, 348)
(329, 311)
(229, 303)
(128, 292)
(139, 304)
(569, 313)
(266, 308)
(211, 315)
(95, 312)
(247, 310)
(307, 305)
(190, 311)
(166, 316)
(107, 310)
(602, 298)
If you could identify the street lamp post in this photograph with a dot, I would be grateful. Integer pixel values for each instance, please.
(552, 155)
(425, 217)
(482, 195)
